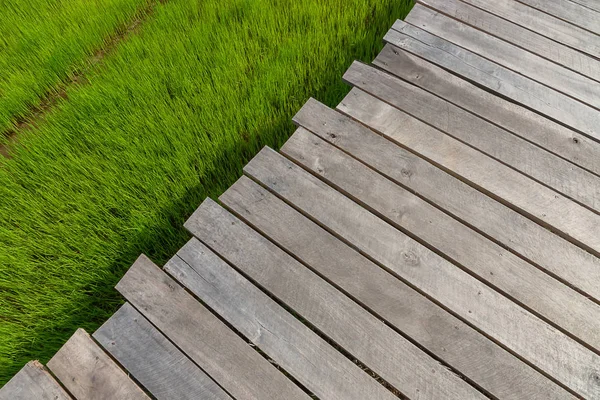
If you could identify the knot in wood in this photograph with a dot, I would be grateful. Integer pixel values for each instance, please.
(410, 258)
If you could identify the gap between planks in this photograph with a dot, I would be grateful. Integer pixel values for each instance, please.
(88, 372)
(525, 63)
(396, 360)
(295, 347)
(496, 78)
(537, 202)
(525, 39)
(523, 283)
(153, 360)
(441, 334)
(343, 213)
(568, 11)
(536, 163)
(501, 224)
(542, 23)
(533, 127)
(203, 337)
(33, 382)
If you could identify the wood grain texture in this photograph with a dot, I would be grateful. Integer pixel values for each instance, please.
(514, 231)
(522, 122)
(504, 184)
(375, 345)
(542, 23)
(491, 263)
(496, 78)
(33, 382)
(89, 373)
(508, 55)
(518, 36)
(568, 11)
(509, 324)
(220, 352)
(591, 4)
(521, 155)
(320, 368)
(448, 338)
(153, 360)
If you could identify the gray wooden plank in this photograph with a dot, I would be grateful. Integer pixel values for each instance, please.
(452, 341)
(323, 370)
(568, 11)
(220, 352)
(515, 34)
(542, 345)
(506, 185)
(506, 54)
(591, 4)
(542, 23)
(89, 373)
(521, 155)
(375, 345)
(514, 231)
(153, 360)
(496, 78)
(522, 122)
(494, 265)
(33, 382)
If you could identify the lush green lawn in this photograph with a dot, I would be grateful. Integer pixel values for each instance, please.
(170, 118)
(43, 41)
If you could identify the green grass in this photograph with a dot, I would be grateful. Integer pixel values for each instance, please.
(168, 119)
(42, 42)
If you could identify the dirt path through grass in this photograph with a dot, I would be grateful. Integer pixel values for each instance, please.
(47, 45)
(34, 116)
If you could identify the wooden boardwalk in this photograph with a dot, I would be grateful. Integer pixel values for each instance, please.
(437, 236)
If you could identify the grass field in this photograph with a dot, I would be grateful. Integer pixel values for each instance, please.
(42, 42)
(170, 117)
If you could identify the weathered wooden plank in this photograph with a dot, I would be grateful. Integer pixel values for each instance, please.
(324, 371)
(33, 382)
(504, 184)
(497, 78)
(539, 164)
(491, 263)
(501, 319)
(508, 55)
(514, 231)
(153, 360)
(89, 373)
(365, 337)
(568, 11)
(220, 352)
(522, 122)
(477, 358)
(517, 35)
(591, 4)
(542, 23)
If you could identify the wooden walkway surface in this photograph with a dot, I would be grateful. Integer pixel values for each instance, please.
(437, 236)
